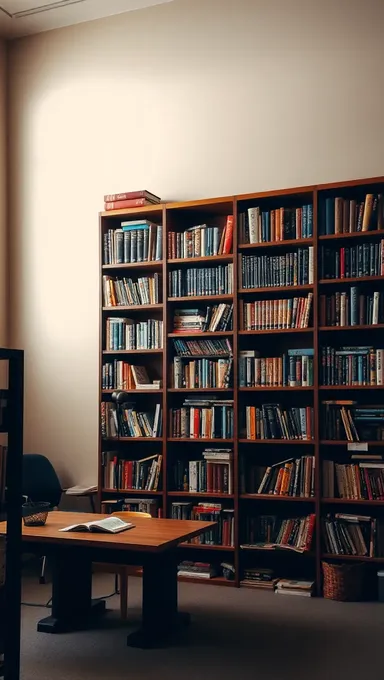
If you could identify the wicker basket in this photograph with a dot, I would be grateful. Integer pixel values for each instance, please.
(35, 514)
(343, 582)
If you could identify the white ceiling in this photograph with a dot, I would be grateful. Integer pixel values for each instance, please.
(24, 17)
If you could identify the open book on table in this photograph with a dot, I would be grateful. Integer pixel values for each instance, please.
(109, 525)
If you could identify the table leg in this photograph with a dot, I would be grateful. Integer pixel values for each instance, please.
(72, 605)
(160, 618)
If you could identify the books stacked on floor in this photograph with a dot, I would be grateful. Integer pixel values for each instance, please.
(201, 281)
(119, 375)
(293, 369)
(352, 365)
(189, 569)
(149, 505)
(201, 241)
(286, 586)
(259, 577)
(364, 259)
(126, 292)
(213, 319)
(347, 534)
(274, 314)
(272, 421)
(201, 373)
(224, 531)
(339, 215)
(362, 479)
(214, 474)
(202, 419)
(209, 347)
(293, 477)
(282, 224)
(130, 199)
(136, 241)
(125, 474)
(291, 269)
(351, 308)
(126, 421)
(270, 532)
(126, 334)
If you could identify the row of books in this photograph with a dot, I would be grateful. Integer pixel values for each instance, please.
(272, 421)
(201, 373)
(262, 315)
(130, 199)
(212, 319)
(339, 215)
(202, 419)
(201, 281)
(206, 347)
(345, 420)
(269, 532)
(291, 477)
(131, 474)
(358, 480)
(120, 375)
(265, 579)
(224, 531)
(144, 291)
(127, 334)
(346, 534)
(364, 259)
(149, 505)
(201, 241)
(293, 369)
(352, 365)
(351, 308)
(281, 224)
(126, 421)
(214, 474)
(136, 241)
(290, 269)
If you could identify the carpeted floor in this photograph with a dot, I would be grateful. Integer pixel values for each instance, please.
(237, 634)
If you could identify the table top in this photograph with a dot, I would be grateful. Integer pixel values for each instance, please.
(148, 534)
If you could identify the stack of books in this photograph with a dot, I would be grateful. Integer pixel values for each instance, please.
(351, 308)
(362, 479)
(364, 259)
(216, 318)
(291, 269)
(346, 534)
(262, 315)
(272, 421)
(126, 292)
(131, 474)
(189, 569)
(202, 419)
(293, 369)
(347, 215)
(214, 474)
(259, 577)
(126, 334)
(126, 421)
(282, 224)
(130, 199)
(201, 241)
(201, 373)
(285, 586)
(136, 241)
(352, 365)
(269, 532)
(291, 477)
(119, 375)
(224, 531)
(201, 281)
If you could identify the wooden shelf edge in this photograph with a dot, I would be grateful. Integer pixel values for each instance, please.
(197, 298)
(359, 558)
(203, 546)
(350, 501)
(277, 330)
(133, 308)
(277, 441)
(272, 497)
(365, 327)
(133, 491)
(133, 265)
(351, 235)
(200, 441)
(207, 258)
(199, 494)
(276, 289)
(356, 280)
(198, 334)
(277, 244)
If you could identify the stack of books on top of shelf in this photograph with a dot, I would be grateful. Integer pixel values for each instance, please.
(272, 421)
(119, 375)
(131, 474)
(282, 224)
(221, 534)
(361, 479)
(347, 215)
(126, 334)
(347, 534)
(274, 271)
(214, 474)
(202, 419)
(352, 365)
(259, 577)
(201, 281)
(293, 369)
(130, 199)
(270, 532)
(363, 259)
(291, 477)
(274, 314)
(351, 308)
(190, 569)
(126, 421)
(136, 241)
(285, 586)
(126, 292)
(201, 241)
(216, 318)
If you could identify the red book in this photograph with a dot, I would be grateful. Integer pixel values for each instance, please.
(342, 263)
(196, 424)
(228, 236)
(129, 203)
(127, 195)
(311, 528)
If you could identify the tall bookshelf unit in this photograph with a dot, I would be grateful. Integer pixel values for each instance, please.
(177, 217)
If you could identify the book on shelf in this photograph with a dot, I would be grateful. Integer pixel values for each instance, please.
(293, 369)
(351, 308)
(147, 505)
(348, 421)
(3, 473)
(273, 421)
(109, 525)
(131, 195)
(362, 480)
(338, 215)
(201, 241)
(213, 474)
(262, 578)
(353, 365)
(213, 318)
(294, 477)
(270, 532)
(202, 419)
(274, 314)
(221, 534)
(127, 334)
(272, 271)
(135, 241)
(281, 224)
(127, 421)
(347, 534)
(201, 373)
(122, 474)
(300, 588)
(201, 281)
(190, 569)
(206, 347)
(120, 375)
(363, 259)
(126, 292)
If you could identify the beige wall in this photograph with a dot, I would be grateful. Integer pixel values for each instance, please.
(3, 199)
(190, 99)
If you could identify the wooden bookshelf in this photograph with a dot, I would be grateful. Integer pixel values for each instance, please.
(270, 343)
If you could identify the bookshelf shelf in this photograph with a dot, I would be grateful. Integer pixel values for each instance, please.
(215, 581)
(177, 218)
(358, 558)
(203, 546)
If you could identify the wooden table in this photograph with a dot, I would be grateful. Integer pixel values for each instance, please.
(152, 543)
